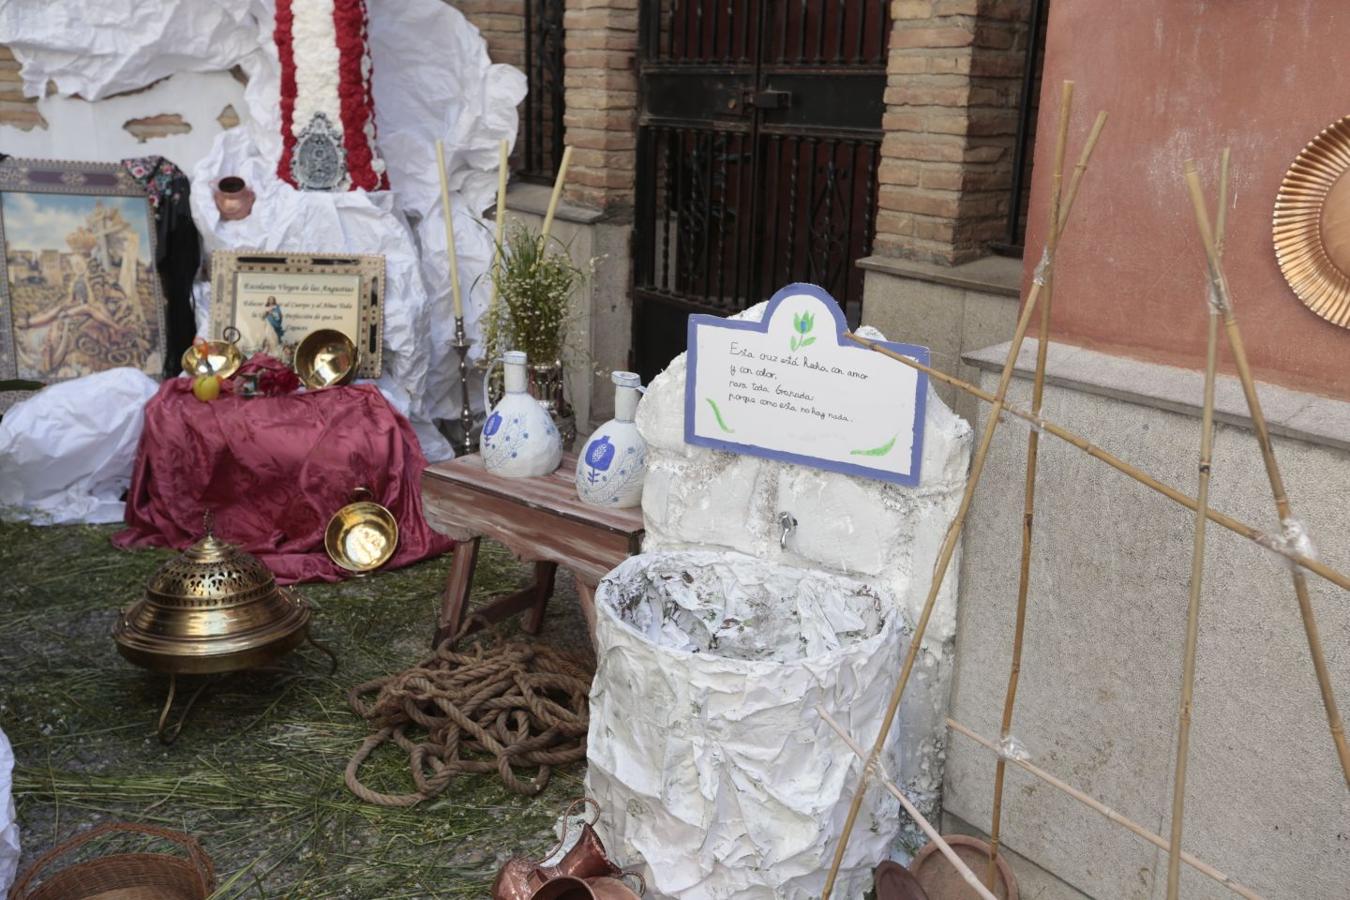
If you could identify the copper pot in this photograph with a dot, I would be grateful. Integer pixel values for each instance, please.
(610, 889)
(564, 888)
(234, 198)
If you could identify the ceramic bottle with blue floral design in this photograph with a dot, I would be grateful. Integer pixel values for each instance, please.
(613, 464)
(519, 438)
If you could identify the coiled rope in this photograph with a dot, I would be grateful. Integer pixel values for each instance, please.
(495, 707)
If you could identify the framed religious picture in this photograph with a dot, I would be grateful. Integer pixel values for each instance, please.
(79, 291)
(275, 299)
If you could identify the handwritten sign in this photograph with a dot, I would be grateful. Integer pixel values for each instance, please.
(792, 388)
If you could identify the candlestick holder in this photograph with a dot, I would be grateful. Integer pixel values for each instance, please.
(461, 343)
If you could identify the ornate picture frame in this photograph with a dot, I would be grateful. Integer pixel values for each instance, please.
(275, 299)
(79, 291)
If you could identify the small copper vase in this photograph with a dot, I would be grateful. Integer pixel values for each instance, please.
(234, 198)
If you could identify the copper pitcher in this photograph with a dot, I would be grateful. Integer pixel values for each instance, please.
(516, 880)
(586, 859)
(520, 878)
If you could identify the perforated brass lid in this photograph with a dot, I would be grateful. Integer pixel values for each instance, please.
(214, 608)
(212, 571)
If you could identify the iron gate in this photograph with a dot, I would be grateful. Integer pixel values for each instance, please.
(758, 145)
(540, 151)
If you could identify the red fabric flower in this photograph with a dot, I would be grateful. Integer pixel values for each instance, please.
(274, 376)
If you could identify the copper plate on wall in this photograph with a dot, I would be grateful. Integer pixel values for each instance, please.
(1312, 224)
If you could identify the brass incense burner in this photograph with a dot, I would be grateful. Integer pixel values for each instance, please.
(212, 610)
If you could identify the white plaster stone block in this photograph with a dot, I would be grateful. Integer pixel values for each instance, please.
(883, 533)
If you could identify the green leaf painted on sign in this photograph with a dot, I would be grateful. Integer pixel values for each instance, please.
(876, 451)
(721, 423)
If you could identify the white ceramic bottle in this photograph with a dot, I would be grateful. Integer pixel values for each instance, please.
(519, 438)
(613, 464)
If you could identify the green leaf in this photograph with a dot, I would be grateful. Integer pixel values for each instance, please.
(876, 451)
(807, 342)
(721, 423)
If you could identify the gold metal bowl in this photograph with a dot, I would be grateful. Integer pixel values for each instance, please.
(361, 537)
(325, 358)
(224, 357)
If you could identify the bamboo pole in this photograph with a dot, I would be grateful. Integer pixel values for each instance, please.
(959, 864)
(1029, 490)
(1197, 560)
(450, 251)
(1282, 506)
(948, 549)
(1111, 815)
(557, 194)
(1236, 526)
(503, 152)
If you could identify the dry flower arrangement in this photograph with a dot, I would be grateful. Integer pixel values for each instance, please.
(532, 307)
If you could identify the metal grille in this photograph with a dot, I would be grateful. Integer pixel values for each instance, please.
(1020, 191)
(542, 117)
(758, 148)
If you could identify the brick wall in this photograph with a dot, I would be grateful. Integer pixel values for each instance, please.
(954, 69)
(15, 108)
(601, 96)
(502, 23)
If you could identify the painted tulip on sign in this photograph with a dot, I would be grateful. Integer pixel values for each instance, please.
(613, 463)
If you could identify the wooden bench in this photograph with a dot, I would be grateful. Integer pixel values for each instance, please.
(540, 520)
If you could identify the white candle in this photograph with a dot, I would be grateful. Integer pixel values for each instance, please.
(449, 232)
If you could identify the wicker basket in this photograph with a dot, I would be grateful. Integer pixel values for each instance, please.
(121, 876)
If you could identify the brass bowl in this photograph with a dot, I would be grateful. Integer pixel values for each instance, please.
(325, 358)
(224, 357)
(361, 536)
(212, 609)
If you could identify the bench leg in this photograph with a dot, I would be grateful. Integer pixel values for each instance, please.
(544, 574)
(586, 594)
(456, 597)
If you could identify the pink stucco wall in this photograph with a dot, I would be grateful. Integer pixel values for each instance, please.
(1184, 80)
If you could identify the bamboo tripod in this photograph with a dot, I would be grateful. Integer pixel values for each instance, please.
(1029, 501)
(953, 534)
(1292, 545)
(1197, 551)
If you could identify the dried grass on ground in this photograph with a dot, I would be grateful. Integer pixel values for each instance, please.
(257, 773)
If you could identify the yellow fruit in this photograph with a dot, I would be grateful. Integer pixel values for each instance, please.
(206, 387)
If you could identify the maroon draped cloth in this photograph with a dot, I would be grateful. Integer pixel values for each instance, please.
(272, 471)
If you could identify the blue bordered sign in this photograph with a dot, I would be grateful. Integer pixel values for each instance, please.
(792, 388)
